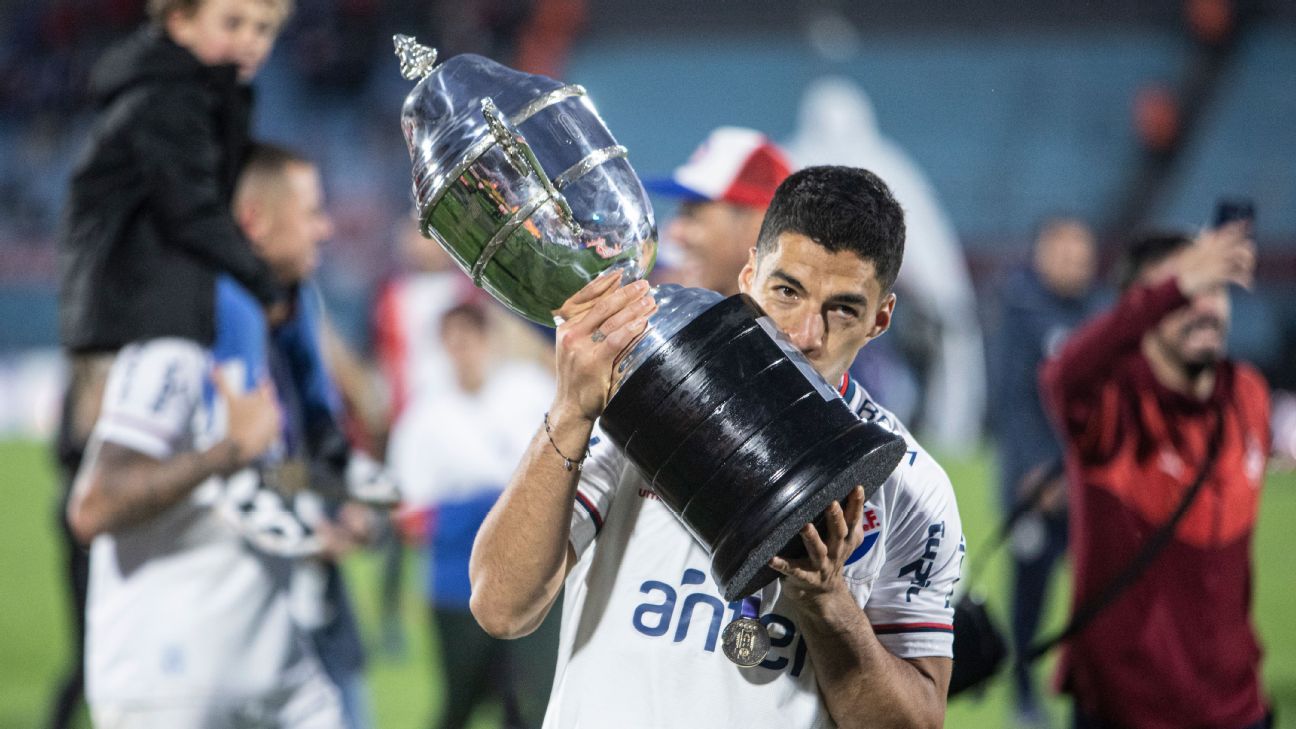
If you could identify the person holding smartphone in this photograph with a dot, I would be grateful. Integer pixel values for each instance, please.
(1147, 402)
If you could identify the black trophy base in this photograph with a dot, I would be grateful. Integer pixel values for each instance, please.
(743, 441)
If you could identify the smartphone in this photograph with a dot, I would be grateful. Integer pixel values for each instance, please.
(1227, 211)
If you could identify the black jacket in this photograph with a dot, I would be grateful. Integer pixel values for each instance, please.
(148, 224)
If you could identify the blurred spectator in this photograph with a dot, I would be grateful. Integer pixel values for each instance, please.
(1284, 430)
(406, 340)
(187, 624)
(1148, 404)
(407, 317)
(1039, 306)
(838, 126)
(148, 224)
(309, 488)
(724, 189)
(454, 448)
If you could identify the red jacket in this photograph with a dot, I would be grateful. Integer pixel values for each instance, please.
(1176, 649)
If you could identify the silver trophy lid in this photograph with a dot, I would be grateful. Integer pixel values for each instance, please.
(521, 181)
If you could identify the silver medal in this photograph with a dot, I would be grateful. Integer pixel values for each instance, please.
(745, 641)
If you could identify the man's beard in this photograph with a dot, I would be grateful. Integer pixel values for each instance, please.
(1195, 364)
(1195, 370)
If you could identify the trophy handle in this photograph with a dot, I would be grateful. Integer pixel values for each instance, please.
(524, 160)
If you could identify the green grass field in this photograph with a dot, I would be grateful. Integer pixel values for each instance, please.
(405, 689)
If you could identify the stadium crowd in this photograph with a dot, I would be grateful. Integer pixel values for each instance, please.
(223, 448)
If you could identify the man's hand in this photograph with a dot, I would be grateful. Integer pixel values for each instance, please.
(1217, 257)
(254, 421)
(820, 573)
(352, 529)
(600, 322)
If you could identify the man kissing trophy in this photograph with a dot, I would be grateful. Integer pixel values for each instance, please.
(517, 176)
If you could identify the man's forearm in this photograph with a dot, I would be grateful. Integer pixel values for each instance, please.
(519, 558)
(120, 487)
(862, 683)
(1089, 353)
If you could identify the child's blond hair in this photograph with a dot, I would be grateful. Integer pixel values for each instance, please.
(158, 10)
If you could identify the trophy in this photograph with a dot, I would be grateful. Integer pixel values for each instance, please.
(517, 176)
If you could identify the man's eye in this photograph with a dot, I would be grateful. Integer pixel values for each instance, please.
(786, 292)
(846, 312)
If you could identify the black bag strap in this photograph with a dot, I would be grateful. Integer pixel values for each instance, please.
(1146, 554)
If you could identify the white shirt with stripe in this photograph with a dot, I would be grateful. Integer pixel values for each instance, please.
(181, 611)
(642, 616)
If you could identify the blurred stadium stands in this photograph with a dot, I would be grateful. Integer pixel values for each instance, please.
(1015, 109)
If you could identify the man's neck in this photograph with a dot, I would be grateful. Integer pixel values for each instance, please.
(1178, 376)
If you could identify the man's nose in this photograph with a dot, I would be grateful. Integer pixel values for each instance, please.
(807, 332)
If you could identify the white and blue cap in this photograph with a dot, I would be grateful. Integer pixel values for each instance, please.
(733, 164)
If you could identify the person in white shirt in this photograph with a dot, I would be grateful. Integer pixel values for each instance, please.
(861, 630)
(187, 624)
(456, 446)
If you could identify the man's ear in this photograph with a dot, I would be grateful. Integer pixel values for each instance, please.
(252, 220)
(882, 321)
(748, 273)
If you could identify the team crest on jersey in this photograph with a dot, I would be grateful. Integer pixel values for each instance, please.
(872, 523)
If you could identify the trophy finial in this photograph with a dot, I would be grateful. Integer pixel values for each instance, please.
(416, 59)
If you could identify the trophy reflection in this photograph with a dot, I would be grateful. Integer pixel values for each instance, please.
(517, 176)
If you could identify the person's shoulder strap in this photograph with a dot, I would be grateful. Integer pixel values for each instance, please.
(1102, 599)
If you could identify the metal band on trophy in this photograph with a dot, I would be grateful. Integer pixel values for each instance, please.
(519, 179)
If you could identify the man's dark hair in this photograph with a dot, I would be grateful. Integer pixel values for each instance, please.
(1145, 251)
(841, 209)
(469, 312)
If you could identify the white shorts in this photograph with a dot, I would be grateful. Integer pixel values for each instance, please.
(314, 704)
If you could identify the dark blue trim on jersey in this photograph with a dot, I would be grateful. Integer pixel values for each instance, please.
(593, 513)
(848, 391)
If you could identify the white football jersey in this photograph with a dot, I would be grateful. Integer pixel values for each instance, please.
(642, 616)
(180, 608)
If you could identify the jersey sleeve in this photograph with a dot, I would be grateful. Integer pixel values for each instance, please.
(600, 477)
(153, 392)
(910, 605)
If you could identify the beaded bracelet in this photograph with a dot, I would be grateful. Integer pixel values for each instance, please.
(568, 463)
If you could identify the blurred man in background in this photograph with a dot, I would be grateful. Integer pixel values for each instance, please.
(457, 446)
(307, 502)
(723, 191)
(1039, 306)
(1149, 403)
(187, 624)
